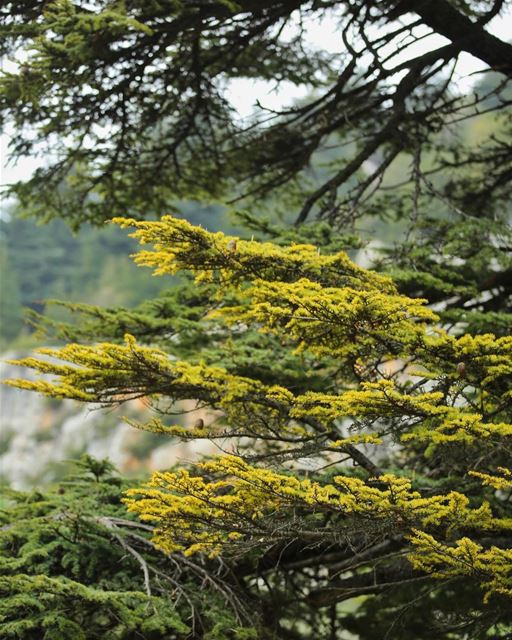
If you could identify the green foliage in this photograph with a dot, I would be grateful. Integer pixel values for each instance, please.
(469, 280)
(74, 565)
(64, 608)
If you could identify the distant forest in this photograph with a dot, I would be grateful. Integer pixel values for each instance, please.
(42, 262)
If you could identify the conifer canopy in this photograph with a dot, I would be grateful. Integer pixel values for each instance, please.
(131, 100)
(380, 472)
(363, 416)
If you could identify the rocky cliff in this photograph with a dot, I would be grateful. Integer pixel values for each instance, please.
(38, 435)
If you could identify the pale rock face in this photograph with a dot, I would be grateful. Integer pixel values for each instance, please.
(112, 446)
(173, 453)
(37, 434)
(366, 256)
(17, 408)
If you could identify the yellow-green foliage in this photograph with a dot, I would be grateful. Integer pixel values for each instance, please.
(179, 245)
(498, 482)
(492, 567)
(392, 375)
(239, 503)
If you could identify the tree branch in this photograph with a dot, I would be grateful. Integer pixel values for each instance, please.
(469, 36)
